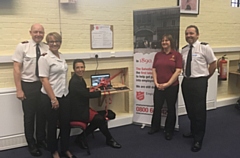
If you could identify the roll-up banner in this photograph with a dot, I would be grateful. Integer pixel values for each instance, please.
(149, 27)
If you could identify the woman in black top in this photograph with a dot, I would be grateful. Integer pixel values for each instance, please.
(80, 110)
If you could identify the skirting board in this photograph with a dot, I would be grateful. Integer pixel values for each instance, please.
(182, 109)
(15, 141)
(227, 101)
(10, 142)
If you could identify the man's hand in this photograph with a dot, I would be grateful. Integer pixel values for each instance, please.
(20, 95)
(55, 104)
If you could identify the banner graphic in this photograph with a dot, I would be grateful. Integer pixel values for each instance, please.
(149, 27)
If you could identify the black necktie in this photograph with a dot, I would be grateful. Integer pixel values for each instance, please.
(38, 54)
(189, 59)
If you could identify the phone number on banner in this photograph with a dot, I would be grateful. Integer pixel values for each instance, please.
(148, 110)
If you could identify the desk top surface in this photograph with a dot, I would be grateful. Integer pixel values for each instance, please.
(116, 91)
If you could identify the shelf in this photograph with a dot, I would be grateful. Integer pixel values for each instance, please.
(118, 101)
(234, 72)
(117, 91)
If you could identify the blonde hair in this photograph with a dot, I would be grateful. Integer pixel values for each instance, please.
(55, 35)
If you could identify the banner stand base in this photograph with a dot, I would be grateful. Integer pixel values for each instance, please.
(143, 125)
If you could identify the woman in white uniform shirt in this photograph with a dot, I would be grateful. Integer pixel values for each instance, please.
(53, 75)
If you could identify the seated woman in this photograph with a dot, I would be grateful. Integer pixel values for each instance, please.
(79, 98)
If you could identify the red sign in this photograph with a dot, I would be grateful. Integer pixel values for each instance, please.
(140, 95)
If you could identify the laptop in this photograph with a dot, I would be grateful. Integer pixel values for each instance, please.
(96, 79)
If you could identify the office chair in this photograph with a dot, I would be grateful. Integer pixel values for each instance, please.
(82, 126)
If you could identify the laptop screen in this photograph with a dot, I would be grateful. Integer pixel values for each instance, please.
(95, 79)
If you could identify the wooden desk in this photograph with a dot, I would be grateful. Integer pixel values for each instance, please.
(104, 94)
(117, 91)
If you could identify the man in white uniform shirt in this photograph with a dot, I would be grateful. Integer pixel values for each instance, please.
(28, 85)
(199, 63)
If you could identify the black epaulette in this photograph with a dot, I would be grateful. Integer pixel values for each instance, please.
(24, 42)
(184, 47)
(204, 43)
(43, 54)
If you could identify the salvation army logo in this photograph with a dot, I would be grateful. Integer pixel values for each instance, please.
(140, 95)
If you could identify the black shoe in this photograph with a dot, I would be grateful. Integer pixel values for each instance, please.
(152, 131)
(196, 146)
(42, 144)
(188, 135)
(168, 136)
(65, 155)
(79, 141)
(34, 151)
(113, 143)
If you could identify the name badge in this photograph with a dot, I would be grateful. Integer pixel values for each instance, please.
(195, 55)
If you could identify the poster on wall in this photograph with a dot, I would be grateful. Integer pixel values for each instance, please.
(101, 36)
(149, 27)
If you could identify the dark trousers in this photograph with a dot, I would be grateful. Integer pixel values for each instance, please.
(31, 109)
(97, 121)
(194, 92)
(170, 94)
(55, 117)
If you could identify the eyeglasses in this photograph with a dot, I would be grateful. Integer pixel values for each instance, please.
(56, 42)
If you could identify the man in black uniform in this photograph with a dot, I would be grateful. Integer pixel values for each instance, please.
(199, 63)
(25, 71)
